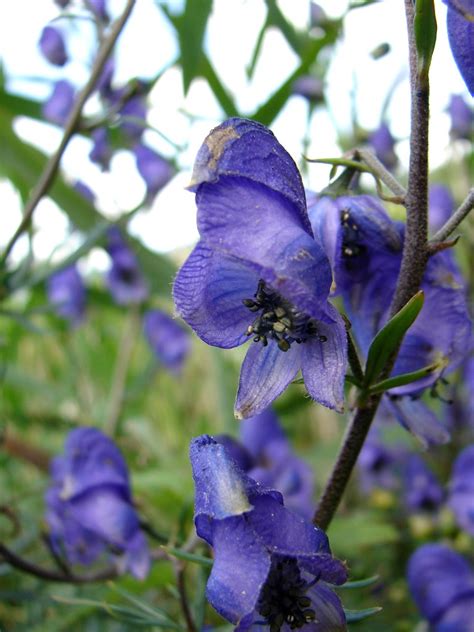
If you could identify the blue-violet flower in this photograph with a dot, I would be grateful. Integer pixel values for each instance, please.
(461, 489)
(67, 294)
(168, 340)
(125, 280)
(52, 46)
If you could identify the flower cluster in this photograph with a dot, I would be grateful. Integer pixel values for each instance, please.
(89, 505)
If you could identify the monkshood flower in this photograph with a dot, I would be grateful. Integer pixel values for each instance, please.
(89, 505)
(378, 464)
(441, 583)
(124, 279)
(59, 105)
(441, 206)
(257, 273)
(462, 118)
(383, 143)
(99, 9)
(461, 489)
(52, 46)
(317, 15)
(422, 489)
(101, 152)
(133, 108)
(265, 455)
(168, 340)
(309, 87)
(153, 168)
(67, 294)
(271, 567)
(460, 22)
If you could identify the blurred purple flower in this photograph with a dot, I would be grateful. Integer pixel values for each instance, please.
(317, 15)
(270, 282)
(101, 151)
(441, 583)
(52, 46)
(168, 340)
(62, 3)
(441, 205)
(461, 489)
(85, 191)
(89, 505)
(460, 22)
(155, 170)
(134, 108)
(99, 8)
(67, 294)
(271, 567)
(422, 490)
(378, 465)
(59, 105)
(266, 456)
(383, 144)
(125, 280)
(309, 87)
(462, 118)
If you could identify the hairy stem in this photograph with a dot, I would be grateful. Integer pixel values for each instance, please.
(47, 177)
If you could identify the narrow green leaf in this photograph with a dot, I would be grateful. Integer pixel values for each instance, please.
(405, 378)
(358, 615)
(361, 583)
(220, 92)
(277, 19)
(389, 338)
(189, 557)
(250, 69)
(425, 35)
(191, 28)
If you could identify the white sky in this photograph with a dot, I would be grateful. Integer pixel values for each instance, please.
(148, 44)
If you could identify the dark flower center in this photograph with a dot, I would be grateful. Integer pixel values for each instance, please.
(128, 275)
(283, 598)
(278, 320)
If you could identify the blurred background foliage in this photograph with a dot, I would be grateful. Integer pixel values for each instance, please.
(54, 377)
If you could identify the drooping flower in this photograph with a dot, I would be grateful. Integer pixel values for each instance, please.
(168, 340)
(461, 489)
(52, 46)
(89, 505)
(460, 22)
(67, 294)
(383, 144)
(101, 151)
(441, 583)
(59, 105)
(265, 455)
(441, 206)
(258, 272)
(125, 280)
(462, 118)
(422, 490)
(271, 567)
(153, 168)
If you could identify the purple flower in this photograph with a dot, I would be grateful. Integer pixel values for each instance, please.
(317, 15)
(441, 583)
(462, 118)
(309, 87)
(101, 151)
(378, 465)
(266, 456)
(383, 143)
(85, 191)
(89, 505)
(125, 280)
(62, 3)
(271, 567)
(155, 170)
(59, 105)
(67, 294)
(133, 108)
(460, 21)
(258, 272)
(461, 489)
(441, 204)
(168, 340)
(422, 490)
(99, 8)
(52, 46)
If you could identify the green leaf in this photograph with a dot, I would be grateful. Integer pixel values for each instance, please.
(353, 616)
(220, 92)
(390, 337)
(189, 557)
(191, 26)
(350, 534)
(405, 378)
(276, 18)
(361, 583)
(425, 35)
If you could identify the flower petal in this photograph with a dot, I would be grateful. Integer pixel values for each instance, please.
(233, 587)
(325, 363)
(246, 148)
(328, 608)
(461, 38)
(415, 416)
(292, 262)
(208, 294)
(265, 373)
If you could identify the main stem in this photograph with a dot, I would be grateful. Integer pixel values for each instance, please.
(414, 259)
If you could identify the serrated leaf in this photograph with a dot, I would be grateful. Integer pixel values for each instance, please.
(191, 27)
(361, 583)
(352, 616)
(425, 35)
(405, 378)
(390, 337)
